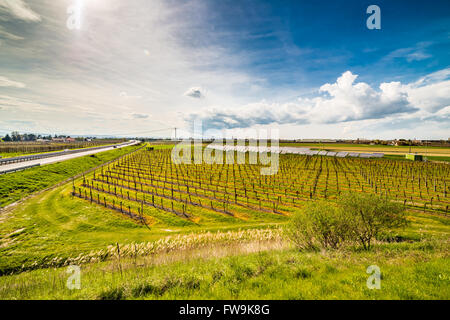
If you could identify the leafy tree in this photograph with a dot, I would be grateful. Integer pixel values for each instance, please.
(16, 136)
(369, 215)
(353, 218)
(7, 138)
(321, 224)
(29, 137)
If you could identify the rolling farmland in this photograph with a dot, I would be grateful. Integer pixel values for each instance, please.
(149, 188)
(240, 151)
(142, 211)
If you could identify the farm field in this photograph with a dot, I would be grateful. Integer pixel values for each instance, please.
(15, 149)
(193, 194)
(139, 224)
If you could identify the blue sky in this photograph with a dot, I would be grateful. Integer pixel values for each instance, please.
(308, 68)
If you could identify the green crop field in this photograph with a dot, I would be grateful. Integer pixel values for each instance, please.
(21, 148)
(148, 186)
(144, 227)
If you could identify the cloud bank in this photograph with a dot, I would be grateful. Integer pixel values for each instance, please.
(343, 101)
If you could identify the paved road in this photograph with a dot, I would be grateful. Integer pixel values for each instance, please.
(44, 161)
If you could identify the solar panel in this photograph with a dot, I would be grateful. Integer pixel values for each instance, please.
(378, 155)
(342, 154)
(293, 150)
(366, 155)
(353, 154)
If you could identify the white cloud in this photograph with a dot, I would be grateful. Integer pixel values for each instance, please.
(348, 101)
(19, 9)
(5, 82)
(195, 92)
(416, 53)
(432, 97)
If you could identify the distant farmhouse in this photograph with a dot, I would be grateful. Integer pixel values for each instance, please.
(69, 139)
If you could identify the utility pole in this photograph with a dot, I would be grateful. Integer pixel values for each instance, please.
(175, 133)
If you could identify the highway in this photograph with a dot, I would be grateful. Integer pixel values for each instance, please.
(22, 165)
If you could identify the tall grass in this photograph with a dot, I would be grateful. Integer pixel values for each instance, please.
(409, 271)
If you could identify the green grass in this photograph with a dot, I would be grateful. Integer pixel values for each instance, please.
(15, 186)
(408, 271)
(438, 158)
(430, 158)
(55, 224)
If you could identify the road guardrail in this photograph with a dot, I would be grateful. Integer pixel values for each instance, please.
(19, 169)
(53, 154)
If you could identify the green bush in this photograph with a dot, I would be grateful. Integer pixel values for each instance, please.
(370, 215)
(320, 225)
(353, 218)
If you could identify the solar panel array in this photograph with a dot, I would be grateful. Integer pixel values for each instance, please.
(294, 150)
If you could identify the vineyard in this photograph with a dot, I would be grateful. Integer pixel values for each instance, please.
(149, 188)
(38, 147)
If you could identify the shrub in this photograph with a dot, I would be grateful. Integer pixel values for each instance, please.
(320, 225)
(354, 217)
(369, 215)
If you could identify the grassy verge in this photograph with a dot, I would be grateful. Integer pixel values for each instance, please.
(438, 158)
(15, 186)
(430, 158)
(408, 271)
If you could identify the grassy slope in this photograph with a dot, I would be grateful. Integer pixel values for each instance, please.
(54, 224)
(414, 269)
(408, 271)
(15, 186)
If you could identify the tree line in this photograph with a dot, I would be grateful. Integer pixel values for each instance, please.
(15, 136)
